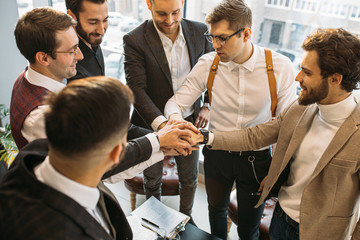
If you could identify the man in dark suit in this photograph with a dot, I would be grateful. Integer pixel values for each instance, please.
(158, 55)
(47, 39)
(58, 194)
(92, 23)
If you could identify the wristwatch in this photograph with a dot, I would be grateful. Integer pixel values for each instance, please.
(205, 133)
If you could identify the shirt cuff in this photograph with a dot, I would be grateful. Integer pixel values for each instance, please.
(211, 139)
(176, 116)
(154, 142)
(157, 122)
(207, 105)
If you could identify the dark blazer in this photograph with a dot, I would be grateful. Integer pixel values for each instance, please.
(29, 209)
(92, 64)
(137, 151)
(147, 70)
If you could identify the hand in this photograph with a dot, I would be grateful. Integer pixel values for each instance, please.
(177, 135)
(262, 184)
(177, 152)
(197, 137)
(162, 125)
(202, 118)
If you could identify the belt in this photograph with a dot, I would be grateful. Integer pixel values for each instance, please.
(288, 219)
(249, 152)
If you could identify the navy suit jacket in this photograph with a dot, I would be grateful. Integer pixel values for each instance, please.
(147, 70)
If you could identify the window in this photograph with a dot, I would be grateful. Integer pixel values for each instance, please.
(279, 3)
(306, 5)
(275, 33)
(355, 13)
(334, 9)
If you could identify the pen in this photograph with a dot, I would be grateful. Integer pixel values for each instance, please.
(147, 221)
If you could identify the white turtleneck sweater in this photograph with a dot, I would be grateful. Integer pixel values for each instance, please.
(322, 130)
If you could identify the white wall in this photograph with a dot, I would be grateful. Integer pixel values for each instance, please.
(12, 63)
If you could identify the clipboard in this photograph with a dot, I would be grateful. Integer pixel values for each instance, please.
(157, 215)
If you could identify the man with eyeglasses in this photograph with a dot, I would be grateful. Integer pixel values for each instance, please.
(240, 98)
(158, 55)
(47, 39)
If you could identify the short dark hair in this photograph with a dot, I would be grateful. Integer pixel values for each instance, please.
(76, 6)
(338, 52)
(36, 31)
(87, 113)
(236, 12)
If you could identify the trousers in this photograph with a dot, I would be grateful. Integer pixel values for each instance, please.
(188, 178)
(282, 227)
(246, 170)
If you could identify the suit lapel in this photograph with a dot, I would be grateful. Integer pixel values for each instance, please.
(155, 45)
(346, 130)
(190, 41)
(76, 213)
(299, 132)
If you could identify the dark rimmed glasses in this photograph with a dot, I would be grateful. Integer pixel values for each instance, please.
(75, 51)
(220, 40)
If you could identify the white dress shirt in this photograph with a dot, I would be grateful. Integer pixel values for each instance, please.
(177, 55)
(34, 124)
(240, 94)
(87, 197)
(322, 130)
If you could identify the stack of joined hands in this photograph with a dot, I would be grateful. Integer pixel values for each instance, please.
(179, 137)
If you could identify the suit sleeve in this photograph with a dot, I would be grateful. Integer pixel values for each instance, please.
(136, 78)
(137, 151)
(247, 139)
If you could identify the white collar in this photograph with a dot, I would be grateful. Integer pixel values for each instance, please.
(41, 80)
(248, 64)
(87, 197)
(338, 112)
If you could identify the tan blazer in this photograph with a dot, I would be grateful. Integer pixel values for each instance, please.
(329, 205)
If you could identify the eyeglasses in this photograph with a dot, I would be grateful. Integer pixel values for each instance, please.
(75, 51)
(220, 40)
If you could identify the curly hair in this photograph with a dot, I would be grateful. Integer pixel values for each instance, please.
(339, 52)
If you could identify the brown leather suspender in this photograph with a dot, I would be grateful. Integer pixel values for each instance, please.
(211, 77)
(271, 78)
(272, 83)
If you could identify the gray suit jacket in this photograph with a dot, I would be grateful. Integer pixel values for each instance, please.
(147, 70)
(329, 205)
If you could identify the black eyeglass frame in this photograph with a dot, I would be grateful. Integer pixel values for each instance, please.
(223, 40)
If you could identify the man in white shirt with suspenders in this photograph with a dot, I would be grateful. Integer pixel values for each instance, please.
(245, 90)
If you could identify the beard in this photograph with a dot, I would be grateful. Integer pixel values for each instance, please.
(161, 26)
(314, 95)
(87, 36)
